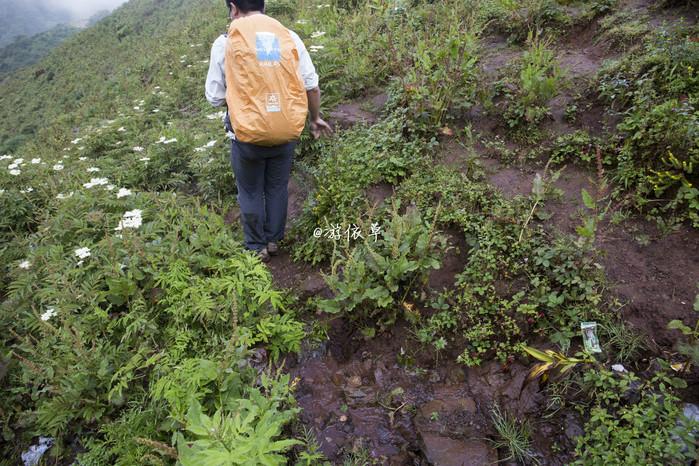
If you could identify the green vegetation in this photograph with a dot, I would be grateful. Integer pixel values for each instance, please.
(645, 431)
(657, 88)
(515, 437)
(25, 51)
(137, 329)
(538, 82)
(374, 278)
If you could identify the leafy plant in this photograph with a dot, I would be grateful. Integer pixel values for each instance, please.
(370, 280)
(634, 423)
(552, 361)
(539, 80)
(690, 347)
(245, 434)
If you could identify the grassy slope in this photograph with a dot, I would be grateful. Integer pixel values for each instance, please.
(94, 73)
(28, 50)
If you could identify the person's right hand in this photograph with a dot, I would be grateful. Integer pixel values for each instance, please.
(320, 127)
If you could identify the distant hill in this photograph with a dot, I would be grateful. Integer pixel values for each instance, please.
(25, 51)
(100, 69)
(27, 18)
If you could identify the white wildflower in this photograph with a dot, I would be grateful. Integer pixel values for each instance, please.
(15, 172)
(64, 196)
(5, 157)
(122, 130)
(58, 167)
(137, 108)
(144, 159)
(36, 161)
(138, 149)
(131, 219)
(93, 170)
(123, 192)
(83, 253)
(50, 312)
(110, 187)
(156, 110)
(27, 190)
(25, 264)
(82, 158)
(76, 141)
(19, 161)
(96, 182)
(317, 34)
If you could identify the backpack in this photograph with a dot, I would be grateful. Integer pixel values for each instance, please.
(266, 98)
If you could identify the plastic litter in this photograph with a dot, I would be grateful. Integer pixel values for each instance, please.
(619, 368)
(32, 456)
(589, 334)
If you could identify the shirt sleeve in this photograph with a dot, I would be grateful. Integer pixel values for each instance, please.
(306, 68)
(216, 78)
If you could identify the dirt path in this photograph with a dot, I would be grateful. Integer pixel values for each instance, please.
(404, 406)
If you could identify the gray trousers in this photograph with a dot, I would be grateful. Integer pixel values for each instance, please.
(262, 176)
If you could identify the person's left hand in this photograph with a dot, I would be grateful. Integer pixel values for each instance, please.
(320, 127)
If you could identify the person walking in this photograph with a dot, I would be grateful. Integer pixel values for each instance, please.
(263, 73)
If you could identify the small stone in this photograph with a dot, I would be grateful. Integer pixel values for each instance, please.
(343, 418)
(338, 378)
(355, 381)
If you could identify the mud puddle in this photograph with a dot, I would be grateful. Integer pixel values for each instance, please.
(404, 406)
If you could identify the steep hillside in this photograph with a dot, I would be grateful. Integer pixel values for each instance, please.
(101, 68)
(491, 260)
(25, 51)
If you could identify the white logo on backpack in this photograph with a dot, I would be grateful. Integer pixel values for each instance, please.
(273, 103)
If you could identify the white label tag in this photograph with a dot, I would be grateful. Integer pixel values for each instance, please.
(273, 103)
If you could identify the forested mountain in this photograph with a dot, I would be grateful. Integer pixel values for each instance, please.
(27, 18)
(24, 50)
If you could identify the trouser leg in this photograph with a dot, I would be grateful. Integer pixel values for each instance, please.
(250, 177)
(276, 192)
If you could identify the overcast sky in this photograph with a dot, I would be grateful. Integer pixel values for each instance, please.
(83, 9)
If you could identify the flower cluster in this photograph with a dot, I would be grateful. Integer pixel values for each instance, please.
(131, 219)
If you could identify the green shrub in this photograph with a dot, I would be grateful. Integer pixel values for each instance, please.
(346, 168)
(622, 430)
(539, 80)
(658, 90)
(372, 279)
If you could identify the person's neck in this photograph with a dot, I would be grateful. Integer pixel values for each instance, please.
(249, 13)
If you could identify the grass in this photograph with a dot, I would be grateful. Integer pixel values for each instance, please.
(514, 437)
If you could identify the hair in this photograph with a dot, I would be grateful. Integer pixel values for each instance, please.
(247, 5)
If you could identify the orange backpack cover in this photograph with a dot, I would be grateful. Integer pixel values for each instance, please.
(266, 98)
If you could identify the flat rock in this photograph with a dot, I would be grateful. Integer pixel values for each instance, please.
(445, 451)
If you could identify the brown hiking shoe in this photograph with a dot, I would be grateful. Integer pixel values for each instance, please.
(263, 254)
(272, 249)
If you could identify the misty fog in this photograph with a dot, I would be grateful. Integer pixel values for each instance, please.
(83, 9)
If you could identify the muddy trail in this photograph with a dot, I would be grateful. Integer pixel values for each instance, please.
(405, 404)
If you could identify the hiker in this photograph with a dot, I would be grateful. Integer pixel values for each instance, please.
(264, 74)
